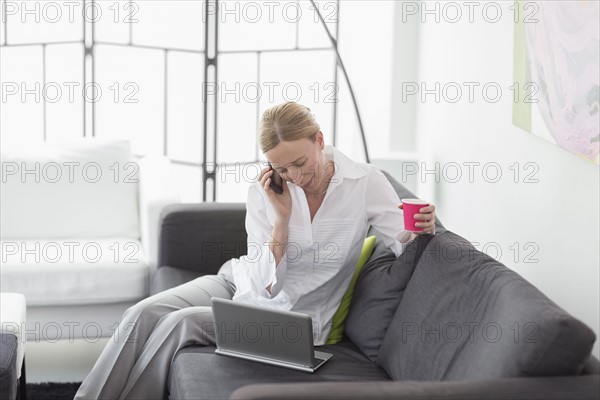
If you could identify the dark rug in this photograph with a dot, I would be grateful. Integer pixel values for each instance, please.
(52, 390)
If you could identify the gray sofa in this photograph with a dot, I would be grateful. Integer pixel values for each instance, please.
(443, 320)
(8, 366)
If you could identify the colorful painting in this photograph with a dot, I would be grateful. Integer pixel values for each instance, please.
(557, 68)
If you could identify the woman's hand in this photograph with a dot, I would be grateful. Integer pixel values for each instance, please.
(427, 215)
(282, 203)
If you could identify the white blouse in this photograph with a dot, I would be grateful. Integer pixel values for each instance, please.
(321, 255)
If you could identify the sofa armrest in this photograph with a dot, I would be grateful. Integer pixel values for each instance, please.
(156, 190)
(563, 387)
(201, 237)
(8, 365)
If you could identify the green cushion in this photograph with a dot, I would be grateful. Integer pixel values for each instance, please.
(339, 318)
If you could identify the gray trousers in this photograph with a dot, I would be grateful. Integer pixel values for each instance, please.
(136, 361)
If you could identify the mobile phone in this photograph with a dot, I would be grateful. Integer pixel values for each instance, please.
(276, 181)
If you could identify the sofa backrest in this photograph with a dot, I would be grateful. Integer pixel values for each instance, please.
(80, 189)
(202, 237)
(378, 292)
(465, 316)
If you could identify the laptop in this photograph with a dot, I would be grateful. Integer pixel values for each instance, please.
(266, 335)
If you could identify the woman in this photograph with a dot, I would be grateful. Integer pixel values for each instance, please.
(303, 245)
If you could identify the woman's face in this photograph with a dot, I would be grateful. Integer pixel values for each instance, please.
(300, 161)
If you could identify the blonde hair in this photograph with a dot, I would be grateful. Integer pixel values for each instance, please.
(286, 122)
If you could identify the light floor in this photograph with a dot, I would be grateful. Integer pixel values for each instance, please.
(62, 361)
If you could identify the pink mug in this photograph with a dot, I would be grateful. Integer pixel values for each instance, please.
(412, 207)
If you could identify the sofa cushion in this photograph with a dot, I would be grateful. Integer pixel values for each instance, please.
(93, 271)
(372, 309)
(198, 373)
(83, 189)
(465, 316)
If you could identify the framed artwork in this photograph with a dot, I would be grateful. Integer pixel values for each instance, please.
(556, 71)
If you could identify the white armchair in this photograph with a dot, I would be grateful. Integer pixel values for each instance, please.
(79, 233)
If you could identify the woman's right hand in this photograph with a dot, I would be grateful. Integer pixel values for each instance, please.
(282, 203)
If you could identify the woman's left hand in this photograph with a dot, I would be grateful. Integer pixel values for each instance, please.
(427, 216)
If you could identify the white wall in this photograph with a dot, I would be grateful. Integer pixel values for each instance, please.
(558, 216)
